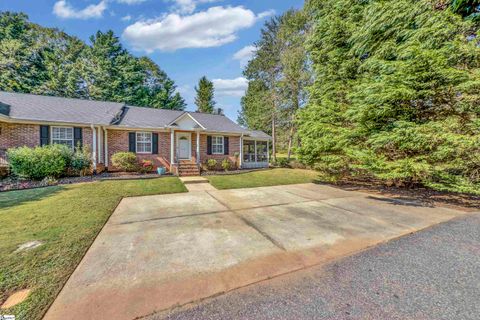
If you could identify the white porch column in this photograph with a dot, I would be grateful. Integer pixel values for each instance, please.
(256, 151)
(198, 147)
(268, 151)
(94, 147)
(172, 147)
(240, 160)
(105, 151)
(100, 144)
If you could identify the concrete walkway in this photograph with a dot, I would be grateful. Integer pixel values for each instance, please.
(161, 251)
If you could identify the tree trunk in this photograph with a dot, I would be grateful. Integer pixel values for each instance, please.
(274, 139)
(290, 141)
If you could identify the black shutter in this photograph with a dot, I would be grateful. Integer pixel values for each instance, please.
(154, 143)
(225, 146)
(132, 142)
(209, 145)
(77, 137)
(44, 135)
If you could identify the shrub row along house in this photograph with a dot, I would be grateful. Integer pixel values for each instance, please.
(177, 140)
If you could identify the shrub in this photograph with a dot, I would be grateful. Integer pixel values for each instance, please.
(211, 164)
(295, 164)
(283, 162)
(126, 161)
(81, 161)
(40, 162)
(145, 166)
(226, 164)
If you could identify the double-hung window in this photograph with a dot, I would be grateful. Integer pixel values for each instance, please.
(217, 145)
(144, 142)
(63, 135)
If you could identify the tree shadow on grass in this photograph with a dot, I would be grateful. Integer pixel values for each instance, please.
(19, 197)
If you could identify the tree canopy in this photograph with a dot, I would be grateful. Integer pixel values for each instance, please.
(205, 95)
(47, 61)
(396, 93)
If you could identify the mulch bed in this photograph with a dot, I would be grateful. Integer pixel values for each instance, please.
(13, 183)
(230, 172)
(462, 201)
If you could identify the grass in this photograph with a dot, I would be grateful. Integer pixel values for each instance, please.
(263, 178)
(67, 219)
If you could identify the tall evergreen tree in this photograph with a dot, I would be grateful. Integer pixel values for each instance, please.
(47, 61)
(205, 95)
(265, 67)
(396, 95)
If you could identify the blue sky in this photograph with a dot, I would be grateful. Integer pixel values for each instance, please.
(187, 38)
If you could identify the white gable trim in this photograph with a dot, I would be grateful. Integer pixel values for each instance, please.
(191, 117)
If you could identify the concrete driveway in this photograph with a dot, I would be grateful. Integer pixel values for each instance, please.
(157, 252)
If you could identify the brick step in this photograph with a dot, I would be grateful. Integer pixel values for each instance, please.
(189, 166)
(189, 171)
(182, 174)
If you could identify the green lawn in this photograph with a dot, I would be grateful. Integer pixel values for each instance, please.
(263, 178)
(67, 219)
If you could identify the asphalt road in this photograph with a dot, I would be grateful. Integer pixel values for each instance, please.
(432, 274)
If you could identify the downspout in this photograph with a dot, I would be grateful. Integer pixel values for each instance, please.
(240, 160)
(105, 146)
(94, 147)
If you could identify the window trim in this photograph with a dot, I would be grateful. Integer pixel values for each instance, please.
(145, 143)
(217, 144)
(52, 128)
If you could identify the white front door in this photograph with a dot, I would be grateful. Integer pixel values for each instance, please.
(184, 146)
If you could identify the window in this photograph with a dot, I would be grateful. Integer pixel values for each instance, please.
(217, 145)
(63, 135)
(144, 142)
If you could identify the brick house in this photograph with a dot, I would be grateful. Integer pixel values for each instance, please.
(178, 140)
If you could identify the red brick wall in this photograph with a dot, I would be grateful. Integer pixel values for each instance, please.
(19, 135)
(118, 142)
(233, 146)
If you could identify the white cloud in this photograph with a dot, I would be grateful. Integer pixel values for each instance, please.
(64, 10)
(266, 14)
(211, 28)
(188, 6)
(131, 1)
(230, 87)
(244, 55)
(127, 18)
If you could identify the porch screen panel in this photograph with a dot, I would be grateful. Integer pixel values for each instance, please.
(248, 151)
(262, 151)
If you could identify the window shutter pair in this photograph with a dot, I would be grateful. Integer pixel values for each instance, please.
(45, 136)
(132, 142)
(225, 145)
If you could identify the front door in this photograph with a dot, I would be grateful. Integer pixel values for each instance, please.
(184, 146)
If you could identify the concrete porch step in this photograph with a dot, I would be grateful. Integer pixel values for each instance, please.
(193, 180)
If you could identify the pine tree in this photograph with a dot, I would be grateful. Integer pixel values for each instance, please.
(205, 96)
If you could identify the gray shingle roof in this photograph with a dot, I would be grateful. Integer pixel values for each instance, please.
(19, 106)
(213, 122)
(257, 134)
(55, 109)
(140, 117)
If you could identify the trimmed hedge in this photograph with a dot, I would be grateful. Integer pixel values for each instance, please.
(40, 162)
(126, 161)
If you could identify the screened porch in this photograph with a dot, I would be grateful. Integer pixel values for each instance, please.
(255, 154)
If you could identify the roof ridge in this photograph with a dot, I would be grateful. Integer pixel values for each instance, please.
(58, 97)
